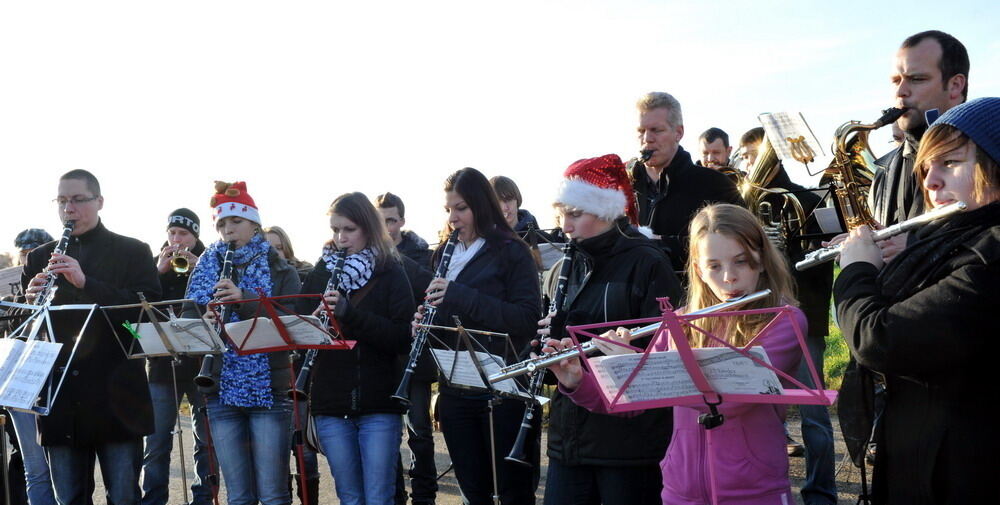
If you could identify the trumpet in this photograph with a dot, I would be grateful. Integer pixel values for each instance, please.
(590, 347)
(178, 262)
(820, 256)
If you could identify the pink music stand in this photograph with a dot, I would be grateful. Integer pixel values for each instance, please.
(269, 306)
(670, 335)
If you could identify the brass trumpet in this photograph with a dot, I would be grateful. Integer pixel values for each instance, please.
(178, 262)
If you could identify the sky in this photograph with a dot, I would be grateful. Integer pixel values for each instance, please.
(308, 100)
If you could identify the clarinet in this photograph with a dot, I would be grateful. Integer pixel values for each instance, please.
(420, 339)
(517, 454)
(302, 381)
(48, 291)
(205, 378)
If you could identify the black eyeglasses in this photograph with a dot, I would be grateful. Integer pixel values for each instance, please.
(76, 200)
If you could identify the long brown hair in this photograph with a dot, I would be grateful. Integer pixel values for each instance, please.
(356, 207)
(740, 225)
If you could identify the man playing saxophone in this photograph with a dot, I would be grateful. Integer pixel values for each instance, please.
(103, 408)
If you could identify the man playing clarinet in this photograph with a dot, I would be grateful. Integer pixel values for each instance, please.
(103, 408)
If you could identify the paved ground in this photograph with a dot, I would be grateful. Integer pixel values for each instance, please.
(848, 477)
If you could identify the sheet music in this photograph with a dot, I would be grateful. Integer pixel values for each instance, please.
(21, 382)
(550, 253)
(303, 330)
(465, 374)
(782, 126)
(663, 374)
(8, 276)
(186, 335)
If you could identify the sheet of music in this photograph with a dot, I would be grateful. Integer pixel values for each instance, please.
(24, 367)
(464, 373)
(186, 335)
(790, 136)
(663, 374)
(304, 330)
(8, 278)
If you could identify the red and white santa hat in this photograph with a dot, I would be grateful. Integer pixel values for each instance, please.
(232, 199)
(599, 186)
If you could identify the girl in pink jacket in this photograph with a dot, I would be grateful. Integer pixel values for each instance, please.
(730, 256)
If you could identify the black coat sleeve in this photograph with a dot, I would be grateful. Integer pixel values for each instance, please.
(142, 277)
(937, 329)
(519, 311)
(386, 327)
(314, 284)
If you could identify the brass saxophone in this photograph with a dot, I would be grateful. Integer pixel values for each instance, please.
(853, 168)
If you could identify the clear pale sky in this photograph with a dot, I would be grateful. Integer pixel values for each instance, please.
(308, 100)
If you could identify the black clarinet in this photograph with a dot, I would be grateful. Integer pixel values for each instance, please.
(517, 454)
(205, 378)
(48, 290)
(300, 389)
(420, 339)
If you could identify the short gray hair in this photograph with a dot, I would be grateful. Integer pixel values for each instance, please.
(658, 100)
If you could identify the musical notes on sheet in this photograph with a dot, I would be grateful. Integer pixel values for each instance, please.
(24, 367)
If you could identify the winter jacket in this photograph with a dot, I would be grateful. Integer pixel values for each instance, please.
(748, 451)
(285, 281)
(924, 322)
(896, 194)
(362, 380)
(525, 221)
(415, 248)
(668, 205)
(498, 291)
(105, 397)
(616, 275)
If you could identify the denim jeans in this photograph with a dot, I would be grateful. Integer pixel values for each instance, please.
(820, 486)
(156, 458)
(36, 468)
(252, 445)
(362, 452)
(72, 470)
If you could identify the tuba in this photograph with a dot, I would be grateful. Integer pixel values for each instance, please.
(853, 168)
(789, 216)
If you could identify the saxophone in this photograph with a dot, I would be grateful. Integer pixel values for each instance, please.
(853, 168)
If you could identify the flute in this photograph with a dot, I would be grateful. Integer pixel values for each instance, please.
(590, 347)
(820, 256)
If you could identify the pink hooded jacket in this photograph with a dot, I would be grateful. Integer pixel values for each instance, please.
(748, 451)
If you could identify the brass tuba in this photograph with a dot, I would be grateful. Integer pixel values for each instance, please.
(853, 168)
(778, 223)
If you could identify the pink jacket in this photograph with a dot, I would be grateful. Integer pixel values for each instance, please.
(748, 450)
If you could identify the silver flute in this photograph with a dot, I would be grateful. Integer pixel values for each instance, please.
(590, 347)
(820, 256)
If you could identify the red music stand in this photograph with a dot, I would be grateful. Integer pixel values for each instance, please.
(269, 307)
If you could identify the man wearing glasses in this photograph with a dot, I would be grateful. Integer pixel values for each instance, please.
(103, 408)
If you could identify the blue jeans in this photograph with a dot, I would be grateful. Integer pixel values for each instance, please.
(36, 468)
(362, 453)
(252, 445)
(72, 470)
(820, 486)
(156, 458)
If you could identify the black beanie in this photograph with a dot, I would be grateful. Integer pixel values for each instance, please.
(186, 219)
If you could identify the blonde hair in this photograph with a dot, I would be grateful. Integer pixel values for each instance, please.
(739, 224)
(942, 139)
(286, 242)
(661, 100)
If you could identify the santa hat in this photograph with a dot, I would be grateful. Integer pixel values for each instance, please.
(599, 186)
(233, 200)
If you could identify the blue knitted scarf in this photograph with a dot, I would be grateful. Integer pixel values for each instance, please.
(246, 380)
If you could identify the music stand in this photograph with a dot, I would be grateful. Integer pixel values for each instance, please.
(24, 376)
(164, 334)
(288, 332)
(670, 336)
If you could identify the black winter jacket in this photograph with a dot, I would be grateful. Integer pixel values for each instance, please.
(498, 290)
(362, 380)
(924, 322)
(668, 205)
(415, 248)
(105, 397)
(174, 286)
(616, 275)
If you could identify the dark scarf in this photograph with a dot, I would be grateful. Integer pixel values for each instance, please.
(932, 244)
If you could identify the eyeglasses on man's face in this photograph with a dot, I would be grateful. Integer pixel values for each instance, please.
(76, 200)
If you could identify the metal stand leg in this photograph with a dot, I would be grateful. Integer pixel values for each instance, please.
(180, 430)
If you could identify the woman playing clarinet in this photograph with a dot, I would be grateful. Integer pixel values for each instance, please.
(358, 423)
(248, 408)
(491, 284)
